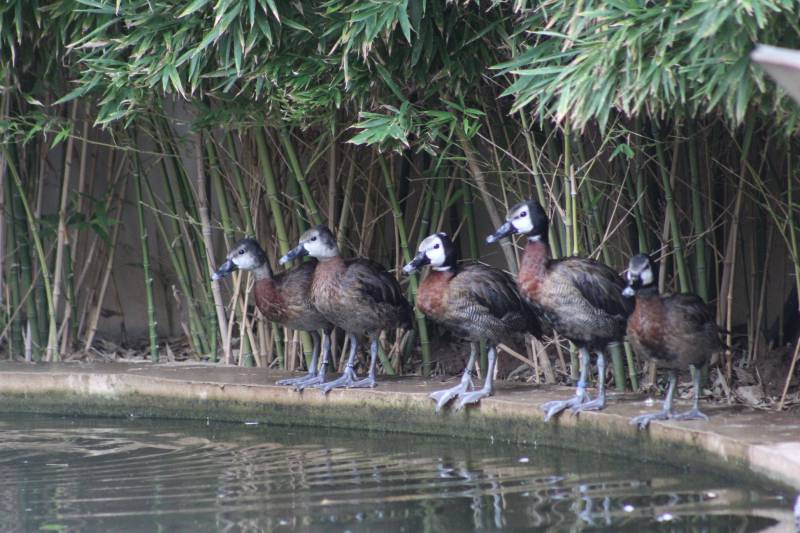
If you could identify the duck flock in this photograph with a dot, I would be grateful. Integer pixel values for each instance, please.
(583, 300)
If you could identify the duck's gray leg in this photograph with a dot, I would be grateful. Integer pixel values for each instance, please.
(666, 411)
(348, 377)
(599, 402)
(369, 381)
(443, 396)
(553, 408)
(310, 381)
(312, 367)
(488, 383)
(694, 413)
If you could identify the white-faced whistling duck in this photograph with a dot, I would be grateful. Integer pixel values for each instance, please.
(476, 302)
(285, 299)
(676, 331)
(357, 295)
(579, 298)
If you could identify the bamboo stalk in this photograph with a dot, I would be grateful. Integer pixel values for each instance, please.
(488, 202)
(333, 172)
(244, 204)
(205, 222)
(148, 275)
(52, 349)
(793, 247)
(271, 188)
(729, 262)
(762, 293)
(25, 278)
(698, 221)
(12, 280)
(672, 213)
(344, 217)
(245, 352)
(52, 329)
(176, 253)
(180, 247)
(94, 315)
(640, 198)
(469, 217)
(265, 164)
(792, 366)
(572, 200)
(294, 165)
(400, 227)
(569, 246)
(555, 246)
(73, 247)
(5, 313)
(219, 192)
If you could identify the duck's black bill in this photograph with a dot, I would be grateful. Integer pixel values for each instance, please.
(503, 231)
(634, 284)
(294, 253)
(418, 262)
(226, 268)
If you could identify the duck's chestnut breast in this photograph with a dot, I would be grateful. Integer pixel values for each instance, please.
(533, 269)
(432, 295)
(648, 320)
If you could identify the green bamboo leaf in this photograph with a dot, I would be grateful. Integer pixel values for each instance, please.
(195, 6)
(296, 25)
(405, 24)
(274, 9)
(387, 79)
(61, 136)
(176, 80)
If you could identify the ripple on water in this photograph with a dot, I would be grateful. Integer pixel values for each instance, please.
(92, 474)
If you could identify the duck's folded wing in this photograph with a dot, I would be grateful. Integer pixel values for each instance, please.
(497, 292)
(598, 284)
(375, 284)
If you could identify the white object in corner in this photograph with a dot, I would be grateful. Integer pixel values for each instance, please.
(782, 64)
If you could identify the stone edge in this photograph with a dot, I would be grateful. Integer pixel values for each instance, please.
(126, 394)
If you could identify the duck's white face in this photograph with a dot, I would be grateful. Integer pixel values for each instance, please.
(244, 258)
(433, 248)
(640, 274)
(245, 255)
(641, 271)
(319, 244)
(520, 218)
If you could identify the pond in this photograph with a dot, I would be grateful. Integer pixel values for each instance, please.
(92, 474)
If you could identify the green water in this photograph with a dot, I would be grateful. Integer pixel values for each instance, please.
(73, 474)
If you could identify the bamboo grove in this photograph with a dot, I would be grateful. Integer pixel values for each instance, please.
(642, 125)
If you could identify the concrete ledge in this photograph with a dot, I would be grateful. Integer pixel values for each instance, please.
(736, 439)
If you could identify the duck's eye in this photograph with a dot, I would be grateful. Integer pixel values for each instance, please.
(523, 214)
(436, 246)
(241, 252)
(313, 238)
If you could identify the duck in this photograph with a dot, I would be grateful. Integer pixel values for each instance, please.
(476, 302)
(677, 331)
(355, 294)
(579, 298)
(283, 298)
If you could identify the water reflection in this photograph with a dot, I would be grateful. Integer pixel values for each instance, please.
(100, 474)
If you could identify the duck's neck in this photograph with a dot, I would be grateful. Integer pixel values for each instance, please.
(537, 254)
(442, 272)
(449, 264)
(331, 259)
(262, 272)
(647, 292)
